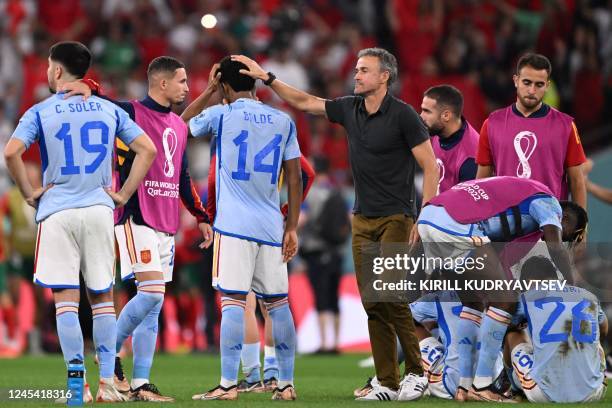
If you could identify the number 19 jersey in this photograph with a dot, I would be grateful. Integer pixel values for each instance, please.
(564, 330)
(76, 140)
(252, 141)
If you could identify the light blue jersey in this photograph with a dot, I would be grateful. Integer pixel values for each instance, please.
(536, 211)
(443, 307)
(252, 141)
(76, 140)
(564, 331)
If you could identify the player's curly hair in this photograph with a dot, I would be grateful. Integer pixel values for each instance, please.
(230, 74)
(538, 268)
(581, 218)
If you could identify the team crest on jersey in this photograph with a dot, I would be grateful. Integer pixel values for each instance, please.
(145, 256)
(170, 142)
(525, 143)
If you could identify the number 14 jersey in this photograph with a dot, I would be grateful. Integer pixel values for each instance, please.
(252, 141)
(76, 140)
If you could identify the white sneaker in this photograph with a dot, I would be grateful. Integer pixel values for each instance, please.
(379, 393)
(412, 387)
(108, 393)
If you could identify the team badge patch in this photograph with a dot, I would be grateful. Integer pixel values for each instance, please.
(145, 256)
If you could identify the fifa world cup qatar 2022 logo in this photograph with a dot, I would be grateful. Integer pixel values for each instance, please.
(442, 172)
(525, 143)
(170, 142)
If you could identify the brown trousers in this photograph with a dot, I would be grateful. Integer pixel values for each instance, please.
(387, 321)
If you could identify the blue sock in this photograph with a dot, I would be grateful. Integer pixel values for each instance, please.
(232, 335)
(283, 331)
(69, 330)
(150, 295)
(144, 340)
(105, 337)
(270, 363)
(250, 362)
(494, 326)
(467, 333)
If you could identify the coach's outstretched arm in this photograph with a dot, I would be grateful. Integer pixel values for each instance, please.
(294, 188)
(294, 97)
(145, 154)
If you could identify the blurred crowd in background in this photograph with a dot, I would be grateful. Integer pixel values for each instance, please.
(311, 44)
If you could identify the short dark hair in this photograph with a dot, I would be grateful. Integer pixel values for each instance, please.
(73, 56)
(580, 216)
(538, 268)
(388, 62)
(535, 61)
(448, 96)
(230, 74)
(164, 64)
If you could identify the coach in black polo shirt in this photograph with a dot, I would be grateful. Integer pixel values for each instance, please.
(386, 140)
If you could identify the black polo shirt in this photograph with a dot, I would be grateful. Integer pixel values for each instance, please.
(380, 152)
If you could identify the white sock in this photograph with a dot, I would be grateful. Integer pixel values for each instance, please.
(139, 382)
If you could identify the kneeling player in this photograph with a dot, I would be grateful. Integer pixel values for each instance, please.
(465, 219)
(561, 359)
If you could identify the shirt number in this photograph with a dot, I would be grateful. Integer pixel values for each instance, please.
(584, 325)
(99, 148)
(273, 147)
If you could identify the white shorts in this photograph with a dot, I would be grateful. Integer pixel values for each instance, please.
(72, 241)
(143, 249)
(522, 365)
(240, 265)
(443, 237)
(432, 360)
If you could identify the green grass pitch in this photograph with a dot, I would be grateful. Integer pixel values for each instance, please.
(320, 381)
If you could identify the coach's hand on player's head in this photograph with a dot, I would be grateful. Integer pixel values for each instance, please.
(36, 194)
(290, 245)
(254, 69)
(75, 88)
(207, 234)
(117, 197)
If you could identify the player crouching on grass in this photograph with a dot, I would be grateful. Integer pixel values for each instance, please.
(465, 220)
(561, 359)
(250, 248)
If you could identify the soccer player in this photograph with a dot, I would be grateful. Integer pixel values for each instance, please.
(250, 354)
(561, 360)
(251, 250)
(437, 318)
(387, 140)
(456, 142)
(467, 218)
(145, 228)
(75, 205)
(530, 139)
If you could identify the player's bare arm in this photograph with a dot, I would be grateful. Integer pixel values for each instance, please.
(484, 171)
(12, 156)
(424, 155)
(577, 185)
(294, 188)
(294, 97)
(145, 154)
(203, 100)
(558, 253)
